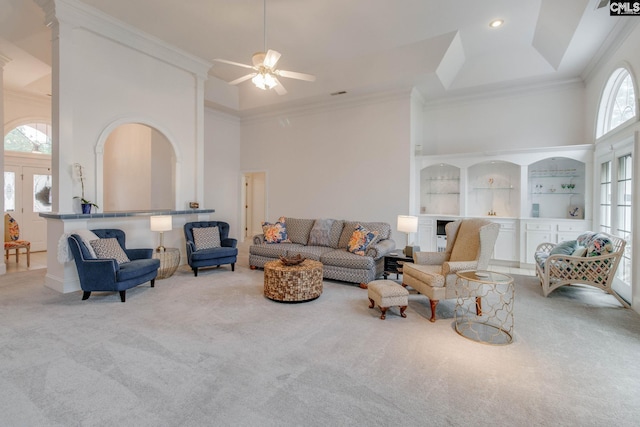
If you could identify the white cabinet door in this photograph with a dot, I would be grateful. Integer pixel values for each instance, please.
(426, 234)
(506, 248)
(533, 239)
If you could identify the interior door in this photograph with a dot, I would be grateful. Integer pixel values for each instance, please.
(13, 191)
(36, 197)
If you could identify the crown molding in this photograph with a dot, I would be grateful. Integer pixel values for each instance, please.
(293, 110)
(80, 15)
(515, 88)
(612, 44)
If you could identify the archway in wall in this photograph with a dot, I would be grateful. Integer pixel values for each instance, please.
(139, 170)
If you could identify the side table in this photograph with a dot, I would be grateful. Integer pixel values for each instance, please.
(293, 283)
(393, 264)
(169, 262)
(484, 306)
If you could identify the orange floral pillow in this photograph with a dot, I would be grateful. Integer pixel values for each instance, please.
(361, 239)
(275, 233)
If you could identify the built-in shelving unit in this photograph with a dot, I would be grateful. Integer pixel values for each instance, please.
(440, 189)
(494, 189)
(556, 188)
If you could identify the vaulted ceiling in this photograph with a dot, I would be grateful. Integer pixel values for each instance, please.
(442, 48)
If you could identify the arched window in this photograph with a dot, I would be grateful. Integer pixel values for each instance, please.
(29, 138)
(618, 103)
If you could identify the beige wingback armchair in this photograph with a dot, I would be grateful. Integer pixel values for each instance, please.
(470, 245)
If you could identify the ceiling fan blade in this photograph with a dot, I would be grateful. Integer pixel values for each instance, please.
(603, 3)
(271, 59)
(242, 79)
(280, 90)
(295, 75)
(234, 63)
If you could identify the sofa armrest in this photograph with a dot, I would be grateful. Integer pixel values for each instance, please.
(142, 253)
(455, 266)
(381, 248)
(229, 243)
(430, 258)
(258, 239)
(105, 270)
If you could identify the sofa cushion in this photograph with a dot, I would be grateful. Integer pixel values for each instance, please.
(335, 233)
(272, 250)
(360, 240)
(109, 249)
(275, 233)
(320, 232)
(311, 252)
(206, 237)
(298, 229)
(564, 248)
(342, 258)
(467, 243)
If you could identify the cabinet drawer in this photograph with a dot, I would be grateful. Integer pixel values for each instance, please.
(539, 227)
(572, 227)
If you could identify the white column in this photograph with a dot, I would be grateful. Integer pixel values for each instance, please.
(199, 152)
(4, 60)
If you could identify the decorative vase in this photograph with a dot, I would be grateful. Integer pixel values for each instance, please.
(86, 208)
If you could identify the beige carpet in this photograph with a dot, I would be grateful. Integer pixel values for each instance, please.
(212, 350)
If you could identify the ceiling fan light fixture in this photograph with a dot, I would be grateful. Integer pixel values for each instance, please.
(264, 80)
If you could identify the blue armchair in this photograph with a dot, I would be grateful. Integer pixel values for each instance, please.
(106, 274)
(224, 253)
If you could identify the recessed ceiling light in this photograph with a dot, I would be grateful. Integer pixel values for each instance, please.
(496, 23)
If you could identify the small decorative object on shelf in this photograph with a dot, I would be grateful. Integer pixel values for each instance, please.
(293, 260)
(86, 204)
(194, 205)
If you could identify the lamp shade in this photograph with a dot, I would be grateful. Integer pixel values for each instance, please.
(161, 223)
(407, 224)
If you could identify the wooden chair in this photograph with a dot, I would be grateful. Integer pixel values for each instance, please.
(12, 239)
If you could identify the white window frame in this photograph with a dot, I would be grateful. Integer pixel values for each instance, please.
(608, 101)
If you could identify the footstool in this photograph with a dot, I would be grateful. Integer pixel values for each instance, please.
(387, 293)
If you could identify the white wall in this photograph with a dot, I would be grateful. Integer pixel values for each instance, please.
(222, 176)
(345, 161)
(535, 117)
(19, 109)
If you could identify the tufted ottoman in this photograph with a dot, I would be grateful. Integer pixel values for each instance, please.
(387, 293)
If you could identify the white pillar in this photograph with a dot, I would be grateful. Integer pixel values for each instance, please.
(3, 61)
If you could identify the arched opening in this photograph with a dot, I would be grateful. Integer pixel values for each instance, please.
(618, 102)
(139, 169)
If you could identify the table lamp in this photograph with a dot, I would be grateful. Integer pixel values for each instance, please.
(408, 224)
(161, 223)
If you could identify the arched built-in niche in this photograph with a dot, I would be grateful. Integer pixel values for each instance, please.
(494, 189)
(137, 168)
(440, 190)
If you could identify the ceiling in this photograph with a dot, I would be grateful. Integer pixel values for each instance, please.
(442, 48)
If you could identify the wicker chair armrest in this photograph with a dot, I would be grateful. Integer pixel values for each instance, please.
(431, 258)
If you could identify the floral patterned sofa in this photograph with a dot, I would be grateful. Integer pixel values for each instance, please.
(591, 259)
(350, 251)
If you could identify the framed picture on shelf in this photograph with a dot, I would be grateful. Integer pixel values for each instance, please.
(575, 212)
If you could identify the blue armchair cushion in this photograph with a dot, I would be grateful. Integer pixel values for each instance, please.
(221, 252)
(206, 238)
(137, 268)
(109, 249)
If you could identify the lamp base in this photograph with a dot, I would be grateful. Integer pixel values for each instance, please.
(409, 250)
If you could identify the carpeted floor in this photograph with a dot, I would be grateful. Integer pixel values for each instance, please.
(212, 351)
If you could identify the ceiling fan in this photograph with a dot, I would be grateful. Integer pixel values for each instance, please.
(265, 74)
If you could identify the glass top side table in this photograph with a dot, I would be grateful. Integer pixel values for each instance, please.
(484, 306)
(169, 262)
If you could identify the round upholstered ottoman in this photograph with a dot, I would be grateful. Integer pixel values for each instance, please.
(293, 283)
(387, 293)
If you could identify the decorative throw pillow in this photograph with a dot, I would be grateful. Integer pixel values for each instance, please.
(580, 251)
(600, 244)
(360, 240)
(564, 248)
(206, 237)
(109, 249)
(319, 235)
(275, 233)
(11, 229)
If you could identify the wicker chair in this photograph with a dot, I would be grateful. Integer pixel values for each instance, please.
(555, 270)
